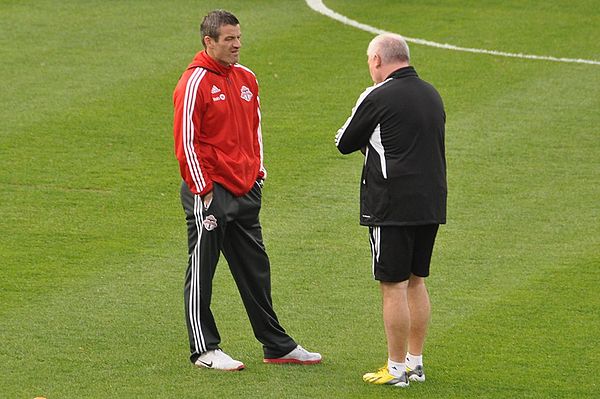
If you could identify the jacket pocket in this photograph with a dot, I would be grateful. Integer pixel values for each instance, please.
(375, 197)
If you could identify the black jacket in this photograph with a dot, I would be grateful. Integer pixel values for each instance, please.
(400, 122)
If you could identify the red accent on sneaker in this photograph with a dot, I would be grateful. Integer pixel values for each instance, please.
(291, 361)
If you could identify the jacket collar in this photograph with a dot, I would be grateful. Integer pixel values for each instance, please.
(403, 72)
(203, 60)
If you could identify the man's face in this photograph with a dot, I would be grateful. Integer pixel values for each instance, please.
(226, 50)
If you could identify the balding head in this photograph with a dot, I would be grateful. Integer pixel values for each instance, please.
(390, 47)
(386, 53)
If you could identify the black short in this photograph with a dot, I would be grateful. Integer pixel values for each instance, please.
(399, 251)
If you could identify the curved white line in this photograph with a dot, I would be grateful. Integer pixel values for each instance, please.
(318, 6)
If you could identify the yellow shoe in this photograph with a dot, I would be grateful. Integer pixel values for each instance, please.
(383, 377)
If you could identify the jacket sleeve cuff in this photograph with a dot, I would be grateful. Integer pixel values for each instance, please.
(207, 189)
(262, 174)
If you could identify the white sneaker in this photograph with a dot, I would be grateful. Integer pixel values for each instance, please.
(416, 374)
(298, 356)
(218, 360)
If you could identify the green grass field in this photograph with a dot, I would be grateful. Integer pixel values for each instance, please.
(93, 245)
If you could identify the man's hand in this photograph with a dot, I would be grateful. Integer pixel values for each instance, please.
(207, 199)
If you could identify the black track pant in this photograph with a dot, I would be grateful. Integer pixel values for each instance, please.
(230, 225)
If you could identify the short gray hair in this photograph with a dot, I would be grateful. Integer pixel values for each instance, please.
(390, 47)
(212, 22)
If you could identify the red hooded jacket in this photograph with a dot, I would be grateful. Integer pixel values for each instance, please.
(217, 127)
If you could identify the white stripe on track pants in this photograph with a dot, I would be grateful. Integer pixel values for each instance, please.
(230, 225)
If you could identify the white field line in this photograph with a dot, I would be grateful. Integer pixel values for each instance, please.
(319, 7)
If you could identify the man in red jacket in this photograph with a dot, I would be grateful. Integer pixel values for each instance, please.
(218, 144)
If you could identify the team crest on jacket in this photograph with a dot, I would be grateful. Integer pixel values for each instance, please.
(209, 223)
(246, 94)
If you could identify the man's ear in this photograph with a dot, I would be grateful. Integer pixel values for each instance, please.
(377, 60)
(208, 41)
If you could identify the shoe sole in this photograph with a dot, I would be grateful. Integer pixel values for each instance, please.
(291, 361)
(400, 384)
(201, 366)
(417, 378)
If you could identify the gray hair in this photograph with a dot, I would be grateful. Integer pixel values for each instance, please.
(212, 22)
(390, 47)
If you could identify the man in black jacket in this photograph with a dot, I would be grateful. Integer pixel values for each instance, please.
(399, 125)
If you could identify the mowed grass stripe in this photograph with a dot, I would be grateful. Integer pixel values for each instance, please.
(98, 47)
(522, 336)
(509, 26)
